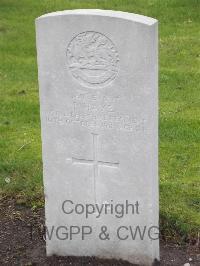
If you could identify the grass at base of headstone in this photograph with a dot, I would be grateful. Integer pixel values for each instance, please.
(179, 59)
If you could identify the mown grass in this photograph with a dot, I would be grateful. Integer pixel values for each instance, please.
(20, 143)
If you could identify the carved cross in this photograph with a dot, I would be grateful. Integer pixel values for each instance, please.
(95, 162)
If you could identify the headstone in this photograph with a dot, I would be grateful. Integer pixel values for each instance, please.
(99, 111)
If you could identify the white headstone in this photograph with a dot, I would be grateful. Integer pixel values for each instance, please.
(98, 97)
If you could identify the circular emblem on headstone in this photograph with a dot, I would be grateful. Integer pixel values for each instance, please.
(92, 59)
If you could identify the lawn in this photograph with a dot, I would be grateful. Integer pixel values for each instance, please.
(179, 70)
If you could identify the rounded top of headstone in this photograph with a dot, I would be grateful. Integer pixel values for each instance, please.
(107, 13)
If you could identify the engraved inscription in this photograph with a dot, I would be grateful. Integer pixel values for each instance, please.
(94, 161)
(95, 111)
(92, 59)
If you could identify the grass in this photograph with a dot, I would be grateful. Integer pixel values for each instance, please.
(20, 143)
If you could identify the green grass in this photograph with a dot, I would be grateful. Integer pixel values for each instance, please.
(20, 143)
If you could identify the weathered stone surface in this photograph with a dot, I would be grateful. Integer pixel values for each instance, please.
(98, 98)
